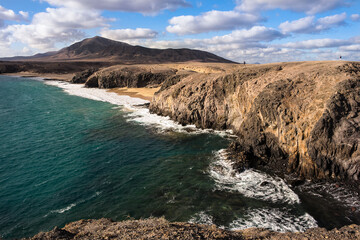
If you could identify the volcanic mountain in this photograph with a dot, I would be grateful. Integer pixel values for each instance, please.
(99, 49)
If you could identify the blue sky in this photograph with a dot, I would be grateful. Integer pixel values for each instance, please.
(241, 30)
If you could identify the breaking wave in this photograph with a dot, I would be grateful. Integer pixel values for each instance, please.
(275, 220)
(251, 183)
(133, 107)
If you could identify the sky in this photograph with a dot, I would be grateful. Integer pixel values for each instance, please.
(255, 31)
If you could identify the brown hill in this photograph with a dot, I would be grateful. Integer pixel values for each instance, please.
(103, 50)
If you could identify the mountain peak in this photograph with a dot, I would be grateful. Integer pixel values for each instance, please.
(106, 50)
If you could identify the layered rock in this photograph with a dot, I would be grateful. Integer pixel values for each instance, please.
(296, 117)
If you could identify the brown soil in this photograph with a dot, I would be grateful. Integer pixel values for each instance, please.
(159, 228)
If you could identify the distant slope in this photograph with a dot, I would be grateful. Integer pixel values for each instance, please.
(102, 49)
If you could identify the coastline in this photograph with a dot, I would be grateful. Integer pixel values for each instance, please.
(138, 93)
(141, 93)
(46, 76)
(159, 228)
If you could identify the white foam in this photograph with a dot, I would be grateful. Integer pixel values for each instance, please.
(62, 210)
(132, 106)
(275, 220)
(97, 94)
(251, 183)
(202, 218)
(69, 207)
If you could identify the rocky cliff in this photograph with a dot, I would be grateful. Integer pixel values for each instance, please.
(133, 76)
(162, 229)
(292, 117)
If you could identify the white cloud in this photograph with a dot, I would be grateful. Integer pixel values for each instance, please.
(237, 38)
(128, 34)
(211, 21)
(354, 47)
(355, 17)
(301, 25)
(53, 26)
(239, 45)
(10, 15)
(310, 25)
(142, 6)
(317, 43)
(254, 34)
(307, 6)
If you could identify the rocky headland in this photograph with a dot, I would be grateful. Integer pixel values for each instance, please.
(300, 118)
(297, 120)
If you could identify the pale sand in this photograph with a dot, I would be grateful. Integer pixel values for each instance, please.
(53, 76)
(143, 93)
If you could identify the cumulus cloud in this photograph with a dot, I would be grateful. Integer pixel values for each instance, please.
(128, 34)
(53, 26)
(239, 45)
(255, 34)
(211, 21)
(245, 37)
(354, 47)
(8, 14)
(142, 6)
(355, 17)
(311, 25)
(307, 6)
(317, 43)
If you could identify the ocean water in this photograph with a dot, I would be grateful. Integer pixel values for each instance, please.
(69, 153)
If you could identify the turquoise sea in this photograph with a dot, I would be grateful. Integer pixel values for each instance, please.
(65, 157)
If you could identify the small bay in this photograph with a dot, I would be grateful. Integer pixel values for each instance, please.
(64, 158)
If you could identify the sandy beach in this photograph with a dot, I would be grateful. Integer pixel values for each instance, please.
(143, 93)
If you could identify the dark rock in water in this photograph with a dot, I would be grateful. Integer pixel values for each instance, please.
(82, 77)
(265, 183)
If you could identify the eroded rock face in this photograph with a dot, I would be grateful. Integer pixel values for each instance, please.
(132, 77)
(82, 77)
(334, 141)
(296, 117)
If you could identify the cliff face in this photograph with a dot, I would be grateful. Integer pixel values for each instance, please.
(129, 76)
(297, 117)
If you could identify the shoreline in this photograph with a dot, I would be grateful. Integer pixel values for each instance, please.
(159, 228)
(46, 76)
(140, 93)
(131, 92)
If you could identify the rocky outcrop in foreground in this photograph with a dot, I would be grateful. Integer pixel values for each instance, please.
(161, 229)
(290, 117)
